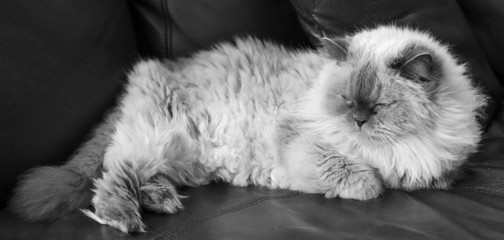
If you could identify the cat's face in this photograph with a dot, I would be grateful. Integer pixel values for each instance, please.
(382, 98)
(380, 105)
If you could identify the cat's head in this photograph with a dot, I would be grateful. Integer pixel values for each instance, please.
(387, 83)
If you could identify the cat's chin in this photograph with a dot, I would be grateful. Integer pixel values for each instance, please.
(370, 136)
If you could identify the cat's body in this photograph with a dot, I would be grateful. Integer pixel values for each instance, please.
(390, 108)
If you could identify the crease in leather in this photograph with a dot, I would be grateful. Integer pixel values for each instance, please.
(167, 47)
(214, 214)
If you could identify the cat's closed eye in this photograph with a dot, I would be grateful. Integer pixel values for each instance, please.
(345, 97)
(383, 105)
(348, 101)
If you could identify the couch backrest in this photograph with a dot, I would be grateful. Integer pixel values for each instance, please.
(174, 28)
(61, 66)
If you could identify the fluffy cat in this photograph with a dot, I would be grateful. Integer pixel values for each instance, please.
(386, 107)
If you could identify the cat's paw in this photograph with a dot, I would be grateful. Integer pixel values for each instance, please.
(119, 215)
(159, 195)
(126, 224)
(356, 181)
(115, 203)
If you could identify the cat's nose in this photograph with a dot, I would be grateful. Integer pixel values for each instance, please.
(360, 119)
(360, 122)
(361, 116)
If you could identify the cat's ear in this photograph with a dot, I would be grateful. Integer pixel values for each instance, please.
(419, 65)
(333, 47)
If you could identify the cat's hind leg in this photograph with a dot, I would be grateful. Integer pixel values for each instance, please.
(147, 181)
(116, 200)
(149, 141)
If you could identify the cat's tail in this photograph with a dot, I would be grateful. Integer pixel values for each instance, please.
(47, 193)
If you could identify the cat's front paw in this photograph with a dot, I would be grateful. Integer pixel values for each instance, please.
(125, 218)
(116, 205)
(128, 223)
(355, 181)
(159, 195)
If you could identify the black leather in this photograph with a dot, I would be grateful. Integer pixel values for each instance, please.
(486, 24)
(173, 28)
(61, 66)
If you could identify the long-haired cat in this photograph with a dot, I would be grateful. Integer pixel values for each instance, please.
(386, 107)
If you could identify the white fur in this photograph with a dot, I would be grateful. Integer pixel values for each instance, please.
(433, 151)
(231, 96)
(216, 116)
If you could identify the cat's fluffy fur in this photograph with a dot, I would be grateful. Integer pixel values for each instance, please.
(386, 107)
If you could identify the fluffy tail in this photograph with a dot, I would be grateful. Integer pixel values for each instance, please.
(47, 193)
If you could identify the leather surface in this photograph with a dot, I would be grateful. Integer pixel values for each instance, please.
(61, 65)
(172, 28)
(473, 209)
(444, 19)
(486, 23)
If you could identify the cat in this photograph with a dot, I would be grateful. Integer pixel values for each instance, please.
(385, 107)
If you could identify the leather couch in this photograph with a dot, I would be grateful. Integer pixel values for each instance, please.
(62, 64)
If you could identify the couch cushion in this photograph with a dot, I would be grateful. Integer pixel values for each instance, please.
(61, 64)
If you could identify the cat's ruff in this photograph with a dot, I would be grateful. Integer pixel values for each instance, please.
(386, 107)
